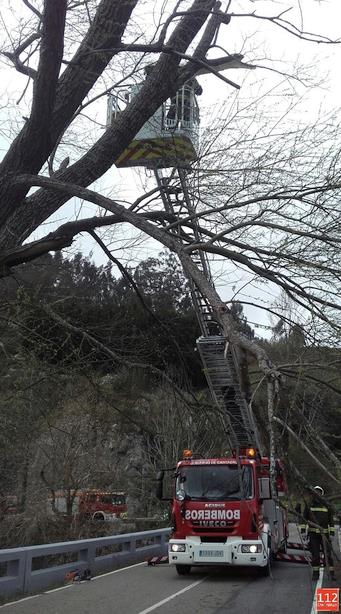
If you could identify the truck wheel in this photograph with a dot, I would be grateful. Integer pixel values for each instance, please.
(183, 570)
(266, 570)
(98, 516)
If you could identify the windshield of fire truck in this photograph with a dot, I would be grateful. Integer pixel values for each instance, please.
(214, 482)
(113, 499)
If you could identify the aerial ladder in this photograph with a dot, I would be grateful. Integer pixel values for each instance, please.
(167, 145)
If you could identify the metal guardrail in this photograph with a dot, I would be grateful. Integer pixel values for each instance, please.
(33, 568)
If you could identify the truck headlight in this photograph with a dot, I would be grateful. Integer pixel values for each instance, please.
(178, 547)
(251, 548)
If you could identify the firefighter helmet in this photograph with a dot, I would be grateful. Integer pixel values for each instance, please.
(319, 490)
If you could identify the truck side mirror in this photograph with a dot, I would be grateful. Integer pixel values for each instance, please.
(159, 487)
(264, 488)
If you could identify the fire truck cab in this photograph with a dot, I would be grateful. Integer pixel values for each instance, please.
(223, 513)
(102, 505)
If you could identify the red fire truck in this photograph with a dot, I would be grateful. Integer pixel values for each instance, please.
(223, 509)
(94, 504)
(223, 512)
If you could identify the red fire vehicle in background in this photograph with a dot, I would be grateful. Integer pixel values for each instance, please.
(223, 512)
(95, 504)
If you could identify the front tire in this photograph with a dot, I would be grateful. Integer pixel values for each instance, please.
(266, 570)
(183, 570)
(98, 516)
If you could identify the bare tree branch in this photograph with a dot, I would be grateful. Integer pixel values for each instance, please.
(33, 8)
(306, 449)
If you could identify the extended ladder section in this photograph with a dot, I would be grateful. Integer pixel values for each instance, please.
(219, 358)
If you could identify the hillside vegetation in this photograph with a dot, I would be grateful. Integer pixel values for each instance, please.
(102, 387)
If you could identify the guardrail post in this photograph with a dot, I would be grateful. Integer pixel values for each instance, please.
(87, 555)
(13, 579)
(163, 540)
(133, 546)
(27, 570)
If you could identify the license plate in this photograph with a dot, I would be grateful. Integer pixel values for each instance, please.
(211, 553)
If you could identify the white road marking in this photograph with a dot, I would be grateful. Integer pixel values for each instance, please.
(160, 603)
(109, 573)
(318, 585)
(19, 601)
(54, 590)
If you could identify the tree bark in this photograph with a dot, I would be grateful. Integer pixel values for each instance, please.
(73, 86)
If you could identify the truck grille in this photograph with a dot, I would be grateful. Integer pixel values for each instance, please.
(213, 529)
(213, 539)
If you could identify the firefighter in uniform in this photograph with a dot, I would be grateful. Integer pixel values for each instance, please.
(320, 524)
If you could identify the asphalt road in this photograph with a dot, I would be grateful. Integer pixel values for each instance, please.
(141, 589)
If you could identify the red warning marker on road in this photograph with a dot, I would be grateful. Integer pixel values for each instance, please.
(157, 560)
(293, 558)
(298, 558)
(296, 546)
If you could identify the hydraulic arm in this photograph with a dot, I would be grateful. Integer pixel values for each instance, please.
(219, 358)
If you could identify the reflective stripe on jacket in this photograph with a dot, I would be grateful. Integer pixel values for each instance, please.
(319, 514)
